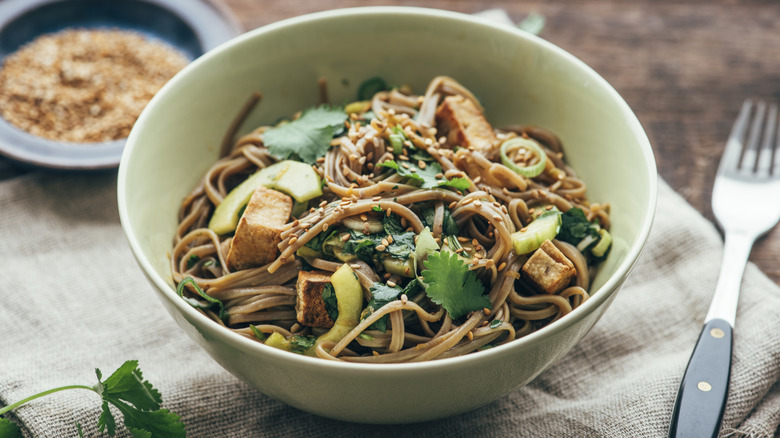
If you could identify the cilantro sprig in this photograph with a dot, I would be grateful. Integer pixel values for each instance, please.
(307, 137)
(452, 285)
(126, 390)
(382, 294)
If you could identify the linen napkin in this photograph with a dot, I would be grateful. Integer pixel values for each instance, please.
(72, 299)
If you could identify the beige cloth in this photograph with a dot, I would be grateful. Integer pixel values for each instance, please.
(72, 299)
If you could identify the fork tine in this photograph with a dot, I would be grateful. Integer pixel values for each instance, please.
(751, 145)
(732, 155)
(766, 155)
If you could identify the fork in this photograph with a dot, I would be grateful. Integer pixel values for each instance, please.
(746, 204)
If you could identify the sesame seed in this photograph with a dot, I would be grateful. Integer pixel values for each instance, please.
(478, 203)
(380, 248)
(391, 283)
(502, 266)
(405, 165)
(421, 164)
(403, 158)
(292, 240)
(363, 217)
(324, 226)
(344, 237)
(385, 242)
(486, 311)
(390, 239)
(470, 335)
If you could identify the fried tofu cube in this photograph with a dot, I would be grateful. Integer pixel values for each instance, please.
(549, 269)
(258, 234)
(310, 307)
(463, 124)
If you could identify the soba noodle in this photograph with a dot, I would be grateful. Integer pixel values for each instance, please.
(495, 203)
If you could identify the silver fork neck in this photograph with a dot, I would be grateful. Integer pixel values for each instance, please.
(736, 250)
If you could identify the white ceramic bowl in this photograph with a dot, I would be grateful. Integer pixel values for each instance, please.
(519, 79)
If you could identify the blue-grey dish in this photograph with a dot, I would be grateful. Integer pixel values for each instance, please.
(191, 26)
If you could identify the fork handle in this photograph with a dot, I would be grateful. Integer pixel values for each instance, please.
(701, 399)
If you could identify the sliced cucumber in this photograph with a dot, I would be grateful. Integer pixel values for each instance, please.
(530, 238)
(601, 248)
(370, 226)
(227, 213)
(349, 298)
(294, 178)
(425, 245)
(277, 340)
(404, 268)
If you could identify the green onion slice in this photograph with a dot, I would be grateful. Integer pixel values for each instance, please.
(517, 142)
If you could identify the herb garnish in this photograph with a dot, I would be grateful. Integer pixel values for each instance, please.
(210, 301)
(452, 285)
(331, 303)
(575, 227)
(126, 390)
(370, 87)
(429, 177)
(449, 226)
(307, 137)
(300, 344)
(382, 294)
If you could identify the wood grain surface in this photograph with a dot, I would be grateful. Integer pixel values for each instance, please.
(684, 67)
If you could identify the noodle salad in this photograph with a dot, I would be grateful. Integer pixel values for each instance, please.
(400, 227)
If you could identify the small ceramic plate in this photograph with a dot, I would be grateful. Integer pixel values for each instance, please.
(193, 27)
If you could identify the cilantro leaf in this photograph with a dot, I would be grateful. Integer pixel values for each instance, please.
(300, 344)
(9, 429)
(138, 402)
(381, 294)
(575, 227)
(370, 87)
(362, 245)
(428, 177)
(449, 226)
(403, 245)
(210, 301)
(452, 285)
(307, 137)
(392, 224)
(331, 303)
(127, 384)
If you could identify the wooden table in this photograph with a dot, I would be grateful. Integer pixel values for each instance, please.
(684, 68)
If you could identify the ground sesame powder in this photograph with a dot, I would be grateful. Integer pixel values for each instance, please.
(84, 85)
